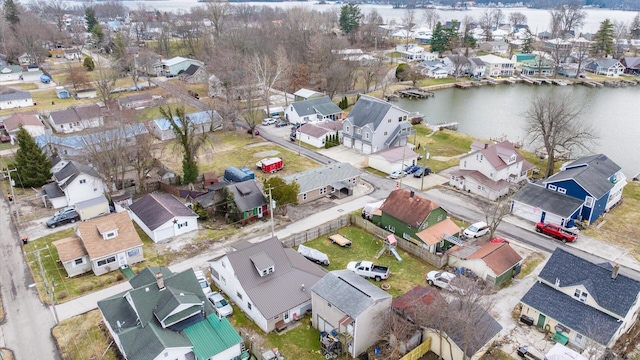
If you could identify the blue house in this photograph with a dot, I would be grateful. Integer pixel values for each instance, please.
(594, 179)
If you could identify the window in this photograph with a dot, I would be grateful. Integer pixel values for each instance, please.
(110, 235)
(366, 135)
(304, 196)
(400, 119)
(562, 190)
(106, 261)
(385, 133)
(391, 228)
(588, 202)
(464, 164)
(249, 305)
(347, 129)
(552, 187)
(439, 218)
(406, 236)
(133, 252)
(83, 181)
(389, 121)
(359, 131)
(286, 315)
(581, 295)
(224, 281)
(239, 295)
(323, 191)
(78, 261)
(185, 224)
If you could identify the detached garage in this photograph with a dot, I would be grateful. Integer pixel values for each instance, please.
(392, 159)
(536, 203)
(91, 208)
(162, 216)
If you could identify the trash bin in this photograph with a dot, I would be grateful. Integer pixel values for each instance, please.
(24, 239)
(522, 350)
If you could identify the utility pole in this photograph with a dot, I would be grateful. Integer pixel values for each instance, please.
(426, 157)
(48, 288)
(13, 195)
(271, 208)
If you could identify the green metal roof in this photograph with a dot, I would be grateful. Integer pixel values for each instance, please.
(212, 336)
(524, 57)
(146, 343)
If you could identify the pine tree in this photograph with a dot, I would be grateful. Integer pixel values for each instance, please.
(32, 165)
(603, 39)
(90, 18)
(11, 13)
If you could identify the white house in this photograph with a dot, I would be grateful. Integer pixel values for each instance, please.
(392, 159)
(495, 47)
(335, 179)
(497, 66)
(433, 69)
(476, 67)
(200, 121)
(173, 67)
(76, 119)
(307, 94)
(12, 98)
(29, 122)
(607, 67)
(162, 216)
(456, 65)
(255, 274)
(76, 182)
(348, 304)
(315, 134)
(11, 73)
(412, 52)
(374, 125)
(489, 170)
(313, 110)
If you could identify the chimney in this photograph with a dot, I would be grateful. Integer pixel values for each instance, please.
(614, 273)
(411, 194)
(160, 280)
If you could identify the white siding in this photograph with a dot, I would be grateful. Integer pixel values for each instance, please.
(526, 212)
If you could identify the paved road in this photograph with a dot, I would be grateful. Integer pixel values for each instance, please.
(27, 330)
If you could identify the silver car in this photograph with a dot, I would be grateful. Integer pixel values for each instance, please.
(220, 304)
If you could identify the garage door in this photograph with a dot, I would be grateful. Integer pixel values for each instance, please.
(527, 212)
(553, 218)
(347, 142)
(165, 233)
(357, 145)
(366, 149)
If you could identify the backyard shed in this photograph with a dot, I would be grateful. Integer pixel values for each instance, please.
(62, 93)
(91, 208)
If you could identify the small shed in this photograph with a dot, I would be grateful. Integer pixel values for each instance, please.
(210, 178)
(91, 208)
(86, 94)
(62, 93)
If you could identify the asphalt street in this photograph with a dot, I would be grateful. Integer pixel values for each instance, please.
(27, 327)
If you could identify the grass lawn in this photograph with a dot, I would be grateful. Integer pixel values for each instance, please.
(621, 226)
(81, 338)
(7, 145)
(432, 82)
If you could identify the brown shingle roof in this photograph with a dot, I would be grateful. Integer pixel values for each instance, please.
(98, 247)
(433, 234)
(14, 122)
(69, 248)
(407, 207)
(88, 112)
(500, 257)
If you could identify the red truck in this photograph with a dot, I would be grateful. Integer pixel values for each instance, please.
(272, 165)
(556, 231)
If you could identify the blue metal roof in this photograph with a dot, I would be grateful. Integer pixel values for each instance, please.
(79, 142)
(196, 118)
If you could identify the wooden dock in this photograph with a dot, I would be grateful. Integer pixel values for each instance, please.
(463, 85)
(611, 83)
(510, 81)
(531, 81)
(415, 93)
(592, 84)
(491, 82)
(629, 82)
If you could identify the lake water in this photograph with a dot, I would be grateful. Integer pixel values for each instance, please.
(538, 20)
(491, 111)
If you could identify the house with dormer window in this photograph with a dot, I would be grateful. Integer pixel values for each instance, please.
(314, 110)
(581, 302)
(162, 216)
(489, 170)
(101, 245)
(374, 125)
(166, 315)
(269, 282)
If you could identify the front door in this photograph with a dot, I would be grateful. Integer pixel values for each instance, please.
(541, 320)
(122, 259)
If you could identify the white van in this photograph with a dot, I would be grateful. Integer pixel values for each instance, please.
(476, 230)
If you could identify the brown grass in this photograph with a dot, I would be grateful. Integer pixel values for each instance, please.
(81, 338)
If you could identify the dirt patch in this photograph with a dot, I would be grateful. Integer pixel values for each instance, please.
(6, 354)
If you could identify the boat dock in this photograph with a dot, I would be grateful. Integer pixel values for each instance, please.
(415, 94)
(531, 81)
(463, 85)
(449, 126)
(592, 84)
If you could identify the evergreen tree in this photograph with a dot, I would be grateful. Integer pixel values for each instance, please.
(603, 39)
(90, 18)
(527, 43)
(439, 39)
(89, 64)
(401, 72)
(634, 28)
(11, 13)
(350, 17)
(32, 165)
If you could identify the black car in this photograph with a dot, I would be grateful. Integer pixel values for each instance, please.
(422, 171)
(69, 217)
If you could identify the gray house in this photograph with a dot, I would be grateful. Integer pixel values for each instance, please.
(350, 305)
(249, 200)
(374, 125)
(336, 179)
(195, 74)
(313, 110)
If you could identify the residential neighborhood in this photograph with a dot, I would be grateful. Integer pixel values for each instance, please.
(319, 182)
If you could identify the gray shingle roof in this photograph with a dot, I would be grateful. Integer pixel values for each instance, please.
(369, 110)
(323, 176)
(547, 200)
(246, 195)
(571, 313)
(156, 209)
(71, 171)
(292, 270)
(323, 106)
(485, 327)
(590, 172)
(348, 292)
(616, 295)
(7, 93)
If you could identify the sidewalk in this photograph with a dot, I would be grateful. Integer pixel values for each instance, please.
(89, 302)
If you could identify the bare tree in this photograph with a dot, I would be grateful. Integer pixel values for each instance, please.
(77, 75)
(408, 21)
(486, 23)
(553, 119)
(582, 48)
(107, 151)
(372, 72)
(141, 157)
(430, 17)
(517, 18)
(497, 17)
(620, 29)
(268, 71)
(567, 18)
(218, 13)
(495, 211)
(106, 81)
(395, 331)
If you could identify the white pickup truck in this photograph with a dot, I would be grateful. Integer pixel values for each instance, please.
(441, 279)
(368, 269)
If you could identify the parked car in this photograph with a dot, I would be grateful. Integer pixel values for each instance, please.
(397, 174)
(476, 230)
(65, 210)
(66, 218)
(282, 123)
(556, 231)
(441, 279)
(220, 304)
(422, 171)
(206, 289)
(268, 121)
(255, 131)
(411, 169)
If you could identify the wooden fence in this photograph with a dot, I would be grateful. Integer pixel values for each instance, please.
(420, 350)
(333, 226)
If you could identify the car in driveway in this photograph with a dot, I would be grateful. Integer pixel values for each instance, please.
(422, 171)
(282, 123)
(476, 230)
(255, 131)
(66, 218)
(220, 304)
(65, 210)
(268, 121)
(204, 283)
(411, 169)
(397, 174)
